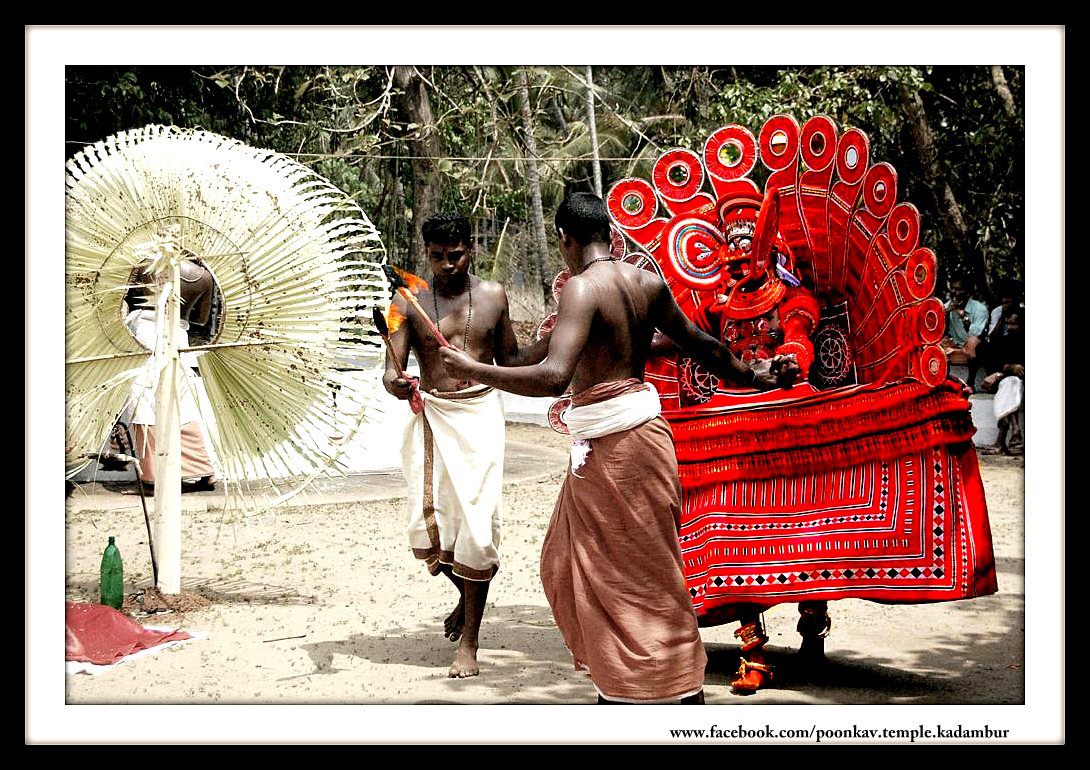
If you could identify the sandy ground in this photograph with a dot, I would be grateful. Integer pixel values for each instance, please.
(323, 603)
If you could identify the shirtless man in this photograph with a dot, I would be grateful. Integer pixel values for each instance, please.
(611, 564)
(453, 452)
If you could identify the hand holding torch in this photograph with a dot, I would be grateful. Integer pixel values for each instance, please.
(416, 401)
(398, 284)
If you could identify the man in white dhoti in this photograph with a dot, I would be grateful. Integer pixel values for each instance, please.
(1005, 359)
(452, 458)
(452, 455)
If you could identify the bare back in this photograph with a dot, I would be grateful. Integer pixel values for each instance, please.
(609, 312)
(623, 299)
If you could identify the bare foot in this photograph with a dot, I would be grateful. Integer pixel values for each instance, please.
(456, 620)
(465, 663)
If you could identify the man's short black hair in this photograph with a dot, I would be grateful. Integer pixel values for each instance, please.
(1017, 310)
(1009, 287)
(584, 217)
(446, 229)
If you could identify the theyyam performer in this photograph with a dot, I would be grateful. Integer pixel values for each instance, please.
(859, 482)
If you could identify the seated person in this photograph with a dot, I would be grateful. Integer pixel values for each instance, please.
(966, 322)
(1010, 295)
(1005, 363)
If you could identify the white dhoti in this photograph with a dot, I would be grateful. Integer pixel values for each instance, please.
(452, 458)
(1008, 397)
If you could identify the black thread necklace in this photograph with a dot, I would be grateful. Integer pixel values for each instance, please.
(469, 315)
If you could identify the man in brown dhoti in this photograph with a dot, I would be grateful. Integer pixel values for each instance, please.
(610, 564)
(197, 289)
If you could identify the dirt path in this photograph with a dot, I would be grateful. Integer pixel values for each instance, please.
(364, 618)
(323, 603)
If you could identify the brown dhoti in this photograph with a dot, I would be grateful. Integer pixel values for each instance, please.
(612, 571)
(195, 460)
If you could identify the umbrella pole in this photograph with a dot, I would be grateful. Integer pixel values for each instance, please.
(168, 445)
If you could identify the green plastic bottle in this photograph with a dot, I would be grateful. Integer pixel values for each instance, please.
(111, 577)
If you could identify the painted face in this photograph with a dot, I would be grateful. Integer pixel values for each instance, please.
(737, 223)
(449, 261)
(738, 256)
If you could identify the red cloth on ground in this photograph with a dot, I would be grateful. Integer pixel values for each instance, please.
(98, 634)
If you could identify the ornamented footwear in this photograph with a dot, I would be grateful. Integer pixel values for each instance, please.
(752, 636)
(751, 677)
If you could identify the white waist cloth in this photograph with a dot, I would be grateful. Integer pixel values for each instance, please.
(141, 406)
(607, 417)
(1008, 397)
(452, 458)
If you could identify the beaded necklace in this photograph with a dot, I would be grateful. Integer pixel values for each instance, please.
(469, 315)
(599, 259)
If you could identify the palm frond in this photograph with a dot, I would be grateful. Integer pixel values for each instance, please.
(295, 259)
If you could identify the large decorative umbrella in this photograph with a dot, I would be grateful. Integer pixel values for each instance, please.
(296, 263)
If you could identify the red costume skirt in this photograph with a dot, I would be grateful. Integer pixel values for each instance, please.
(832, 519)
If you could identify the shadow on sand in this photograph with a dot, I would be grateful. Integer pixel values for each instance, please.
(523, 657)
(953, 668)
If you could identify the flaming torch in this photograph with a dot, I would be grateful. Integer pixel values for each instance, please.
(416, 402)
(407, 284)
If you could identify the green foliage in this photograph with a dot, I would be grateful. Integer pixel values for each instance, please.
(346, 123)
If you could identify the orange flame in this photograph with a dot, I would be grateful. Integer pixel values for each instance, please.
(414, 282)
(394, 317)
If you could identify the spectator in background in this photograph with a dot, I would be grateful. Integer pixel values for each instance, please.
(198, 287)
(1010, 295)
(966, 325)
(1004, 360)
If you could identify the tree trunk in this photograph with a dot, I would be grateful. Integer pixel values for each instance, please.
(425, 149)
(951, 216)
(534, 181)
(558, 115)
(596, 166)
(396, 246)
(1003, 90)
